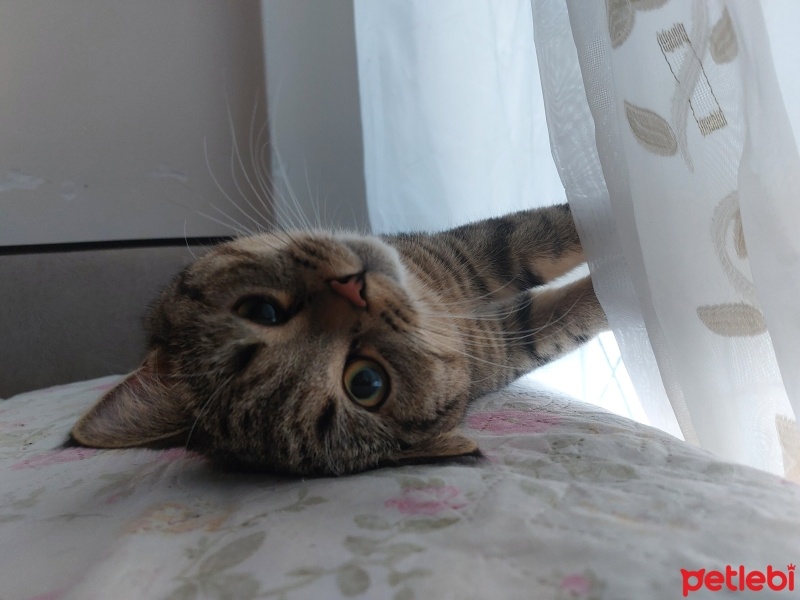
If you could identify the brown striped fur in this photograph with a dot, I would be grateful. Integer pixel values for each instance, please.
(449, 316)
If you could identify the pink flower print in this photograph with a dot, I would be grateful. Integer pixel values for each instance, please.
(54, 457)
(428, 500)
(511, 421)
(576, 584)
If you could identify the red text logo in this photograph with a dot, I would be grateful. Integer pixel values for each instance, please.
(738, 580)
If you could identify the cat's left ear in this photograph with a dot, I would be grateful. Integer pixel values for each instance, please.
(142, 410)
(444, 446)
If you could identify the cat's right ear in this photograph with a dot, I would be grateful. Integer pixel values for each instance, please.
(142, 410)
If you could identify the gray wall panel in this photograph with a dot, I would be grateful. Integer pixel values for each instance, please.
(71, 316)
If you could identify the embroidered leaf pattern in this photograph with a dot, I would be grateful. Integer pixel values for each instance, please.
(241, 586)
(723, 44)
(398, 577)
(233, 553)
(622, 15)
(352, 580)
(402, 549)
(648, 4)
(371, 522)
(727, 216)
(651, 130)
(186, 591)
(738, 236)
(360, 546)
(789, 437)
(732, 320)
(422, 525)
(404, 594)
(306, 572)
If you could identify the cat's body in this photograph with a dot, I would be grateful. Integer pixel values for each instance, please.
(325, 353)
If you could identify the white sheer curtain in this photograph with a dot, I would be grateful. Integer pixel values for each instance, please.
(453, 119)
(670, 134)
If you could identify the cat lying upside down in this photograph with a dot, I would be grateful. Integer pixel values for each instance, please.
(320, 353)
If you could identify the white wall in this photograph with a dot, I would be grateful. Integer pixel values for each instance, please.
(314, 109)
(104, 107)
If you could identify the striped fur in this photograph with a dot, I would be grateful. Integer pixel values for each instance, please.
(449, 316)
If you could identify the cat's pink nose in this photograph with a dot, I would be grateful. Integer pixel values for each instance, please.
(351, 287)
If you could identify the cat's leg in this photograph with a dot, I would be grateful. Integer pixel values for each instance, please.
(537, 327)
(518, 251)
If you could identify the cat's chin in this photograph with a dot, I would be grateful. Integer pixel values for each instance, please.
(451, 446)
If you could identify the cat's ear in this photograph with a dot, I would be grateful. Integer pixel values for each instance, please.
(141, 410)
(444, 446)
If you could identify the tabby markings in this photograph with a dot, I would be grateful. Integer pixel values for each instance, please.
(325, 419)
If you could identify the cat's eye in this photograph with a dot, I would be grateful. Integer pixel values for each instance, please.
(365, 382)
(261, 310)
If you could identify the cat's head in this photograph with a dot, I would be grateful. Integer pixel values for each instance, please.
(307, 353)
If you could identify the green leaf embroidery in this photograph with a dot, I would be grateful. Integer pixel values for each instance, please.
(397, 577)
(371, 522)
(306, 572)
(303, 501)
(232, 554)
(401, 550)
(352, 580)
(404, 594)
(233, 587)
(651, 130)
(732, 320)
(407, 482)
(187, 591)
(360, 546)
(423, 525)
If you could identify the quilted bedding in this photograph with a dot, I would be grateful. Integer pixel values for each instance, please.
(569, 502)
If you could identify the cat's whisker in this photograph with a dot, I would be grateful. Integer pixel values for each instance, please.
(255, 147)
(508, 337)
(276, 379)
(224, 193)
(462, 352)
(293, 203)
(313, 198)
(237, 157)
(239, 229)
(205, 406)
(233, 157)
(478, 302)
(186, 240)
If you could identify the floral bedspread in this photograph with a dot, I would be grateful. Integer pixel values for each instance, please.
(570, 502)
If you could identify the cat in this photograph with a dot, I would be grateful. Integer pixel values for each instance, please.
(324, 353)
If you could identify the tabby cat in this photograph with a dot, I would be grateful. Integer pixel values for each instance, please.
(319, 353)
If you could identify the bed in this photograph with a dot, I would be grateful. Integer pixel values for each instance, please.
(569, 501)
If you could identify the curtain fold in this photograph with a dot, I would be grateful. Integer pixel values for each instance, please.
(668, 128)
(700, 166)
